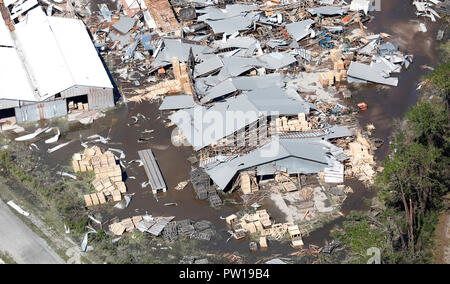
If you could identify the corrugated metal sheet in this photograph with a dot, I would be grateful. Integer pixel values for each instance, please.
(102, 99)
(84, 90)
(43, 110)
(310, 156)
(153, 171)
(97, 97)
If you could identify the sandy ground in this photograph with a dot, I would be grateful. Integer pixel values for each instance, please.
(21, 243)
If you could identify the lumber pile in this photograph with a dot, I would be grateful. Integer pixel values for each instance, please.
(248, 183)
(125, 226)
(108, 175)
(167, 87)
(251, 223)
(285, 181)
(74, 107)
(296, 236)
(361, 159)
(300, 124)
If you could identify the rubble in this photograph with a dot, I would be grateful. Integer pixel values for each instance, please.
(292, 58)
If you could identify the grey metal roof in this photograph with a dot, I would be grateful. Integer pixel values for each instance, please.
(338, 132)
(177, 102)
(238, 42)
(204, 125)
(178, 48)
(310, 155)
(372, 74)
(242, 83)
(224, 88)
(276, 60)
(233, 24)
(327, 10)
(236, 65)
(153, 171)
(210, 65)
(124, 25)
(157, 228)
(229, 20)
(291, 165)
(299, 30)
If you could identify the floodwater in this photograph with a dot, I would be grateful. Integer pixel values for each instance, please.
(385, 106)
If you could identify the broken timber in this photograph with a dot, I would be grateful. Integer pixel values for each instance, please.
(153, 171)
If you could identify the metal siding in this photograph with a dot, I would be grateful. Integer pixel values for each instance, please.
(55, 108)
(27, 113)
(43, 110)
(5, 104)
(101, 99)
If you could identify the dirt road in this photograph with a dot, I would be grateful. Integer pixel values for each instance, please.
(21, 243)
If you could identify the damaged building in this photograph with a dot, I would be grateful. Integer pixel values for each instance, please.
(49, 66)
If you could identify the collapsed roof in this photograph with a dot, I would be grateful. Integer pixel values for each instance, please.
(292, 155)
(203, 125)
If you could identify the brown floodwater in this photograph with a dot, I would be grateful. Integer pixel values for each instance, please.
(385, 106)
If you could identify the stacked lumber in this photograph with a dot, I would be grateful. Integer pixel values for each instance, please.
(251, 223)
(108, 175)
(248, 183)
(330, 77)
(283, 124)
(72, 106)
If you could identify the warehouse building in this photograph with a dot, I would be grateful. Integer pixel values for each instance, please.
(48, 63)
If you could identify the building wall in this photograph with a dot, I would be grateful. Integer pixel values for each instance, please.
(42, 110)
(4, 104)
(97, 97)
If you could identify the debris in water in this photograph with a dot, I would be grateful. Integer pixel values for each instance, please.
(51, 150)
(55, 138)
(31, 135)
(181, 185)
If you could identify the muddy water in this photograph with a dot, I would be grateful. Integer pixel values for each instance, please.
(397, 18)
(388, 104)
(385, 105)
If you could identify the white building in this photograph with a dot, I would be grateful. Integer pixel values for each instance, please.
(46, 62)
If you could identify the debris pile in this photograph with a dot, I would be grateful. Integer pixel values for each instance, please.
(146, 223)
(424, 9)
(203, 188)
(260, 222)
(361, 159)
(164, 226)
(108, 175)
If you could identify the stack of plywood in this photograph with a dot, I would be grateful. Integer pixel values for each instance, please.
(361, 159)
(108, 174)
(94, 199)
